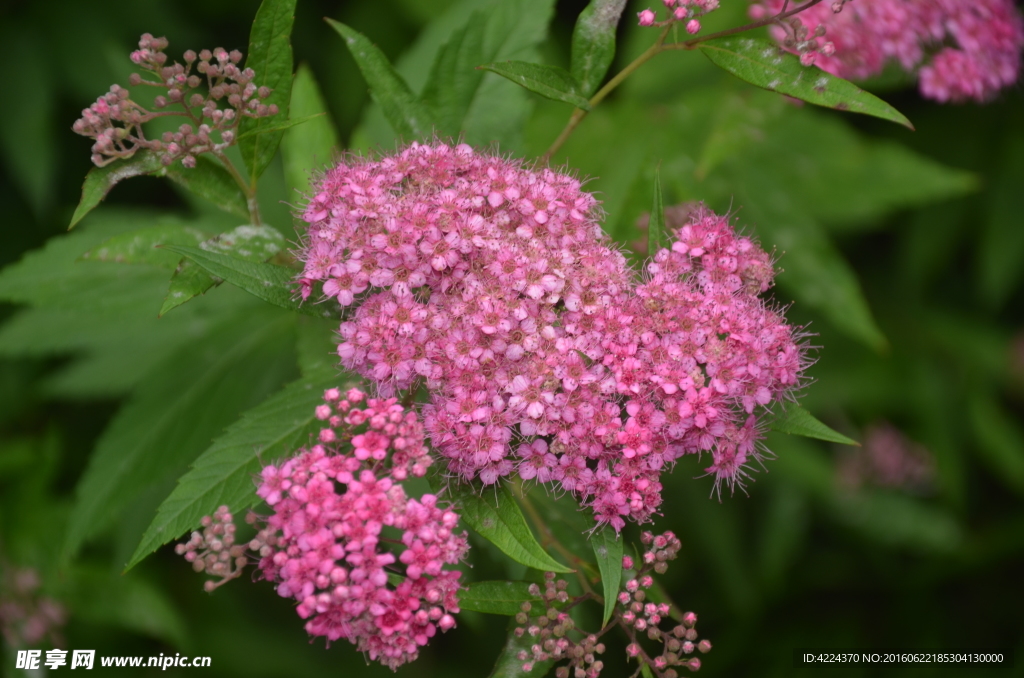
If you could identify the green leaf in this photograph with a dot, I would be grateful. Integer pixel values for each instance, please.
(270, 56)
(763, 63)
(250, 243)
(497, 597)
(283, 125)
(1000, 251)
(548, 81)
(100, 180)
(814, 271)
(210, 180)
(797, 421)
(1000, 440)
(499, 110)
(608, 550)
(271, 283)
(407, 115)
(311, 146)
(223, 474)
(140, 247)
(500, 521)
(593, 43)
(317, 345)
(508, 664)
(51, 277)
(178, 409)
(657, 235)
(454, 77)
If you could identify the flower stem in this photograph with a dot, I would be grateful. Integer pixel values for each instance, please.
(658, 47)
(248, 190)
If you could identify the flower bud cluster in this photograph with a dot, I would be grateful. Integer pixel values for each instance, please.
(687, 12)
(545, 357)
(364, 561)
(553, 629)
(209, 89)
(214, 549)
(961, 49)
(642, 617)
(889, 459)
(26, 617)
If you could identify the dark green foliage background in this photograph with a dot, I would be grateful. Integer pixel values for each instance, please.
(904, 253)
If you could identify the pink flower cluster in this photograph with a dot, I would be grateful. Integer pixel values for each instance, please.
(494, 285)
(115, 121)
(966, 49)
(689, 11)
(343, 530)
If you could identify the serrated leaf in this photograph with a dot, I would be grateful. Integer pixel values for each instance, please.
(140, 247)
(210, 180)
(407, 115)
(508, 664)
(498, 519)
(52, 277)
(548, 81)
(593, 43)
(100, 180)
(223, 474)
(763, 63)
(179, 408)
(797, 421)
(270, 56)
(311, 146)
(271, 283)
(658, 236)
(608, 551)
(250, 243)
(497, 597)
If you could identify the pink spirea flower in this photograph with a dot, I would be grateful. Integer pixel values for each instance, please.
(544, 354)
(961, 49)
(325, 542)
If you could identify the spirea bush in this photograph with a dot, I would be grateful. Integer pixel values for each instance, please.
(492, 343)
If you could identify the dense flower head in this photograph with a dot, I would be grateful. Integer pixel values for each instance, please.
(214, 98)
(961, 49)
(27, 617)
(363, 560)
(545, 356)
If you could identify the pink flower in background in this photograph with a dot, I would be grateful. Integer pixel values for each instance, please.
(534, 329)
(961, 49)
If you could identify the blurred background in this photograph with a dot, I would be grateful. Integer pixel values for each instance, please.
(903, 255)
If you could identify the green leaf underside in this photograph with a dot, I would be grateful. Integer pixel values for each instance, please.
(763, 63)
(508, 664)
(140, 247)
(224, 473)
(100, 180)
(548, 81)
(497, 597)
(251, 243)
(269, 282)
(406, 114)
(593, 43)
(270, 56)
(657, 235)
(797, 421)
(182, 405)
(210, 180)
(498, 519)
(608, 551)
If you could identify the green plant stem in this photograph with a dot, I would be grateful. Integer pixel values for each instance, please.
(249, 190)
(657, 48)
